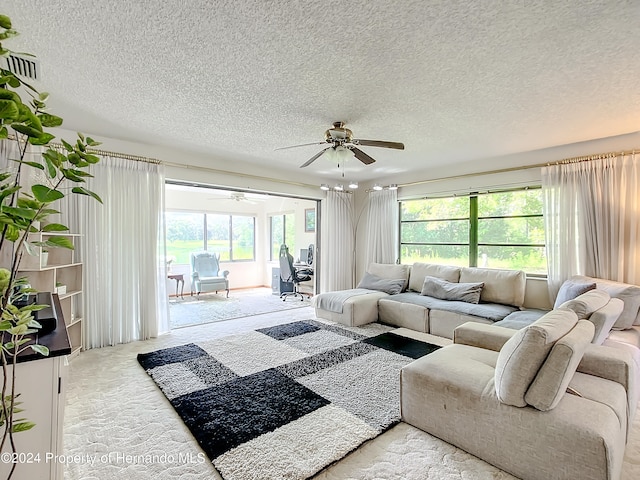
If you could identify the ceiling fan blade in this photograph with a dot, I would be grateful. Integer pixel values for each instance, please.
(303, 145)
(313, 159)
(363, 157)
(378, 143)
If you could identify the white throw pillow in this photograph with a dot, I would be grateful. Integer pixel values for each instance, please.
(552, 380)
(500, 286)
(421, 270)
(522, 355)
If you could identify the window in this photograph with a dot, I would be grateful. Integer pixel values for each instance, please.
(232, 236)
(495, 230)
(185, 234)
(282, 229)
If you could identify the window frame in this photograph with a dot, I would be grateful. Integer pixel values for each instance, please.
(474, 222)
(273, 256)
(230, 216)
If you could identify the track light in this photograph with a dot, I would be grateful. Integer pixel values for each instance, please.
(339, 187)
(324, 187)
(377, 186)
(353, 185)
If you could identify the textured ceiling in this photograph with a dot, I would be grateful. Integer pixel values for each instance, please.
(454, 80)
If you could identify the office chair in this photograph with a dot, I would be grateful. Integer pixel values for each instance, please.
(289, 275)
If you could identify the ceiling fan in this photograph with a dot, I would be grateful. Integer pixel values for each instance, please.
(236, 197)
(340, 139)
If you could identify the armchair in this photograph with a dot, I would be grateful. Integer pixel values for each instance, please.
(206, 274)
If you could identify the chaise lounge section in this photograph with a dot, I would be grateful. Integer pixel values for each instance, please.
(541, 402)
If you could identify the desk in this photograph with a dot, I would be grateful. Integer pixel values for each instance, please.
(178, 277)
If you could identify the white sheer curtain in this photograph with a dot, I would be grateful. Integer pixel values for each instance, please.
(337, 242)
(123, 253)
(592, 219)
(382, 227)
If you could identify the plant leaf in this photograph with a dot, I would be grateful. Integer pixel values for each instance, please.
(49, 120)
(63, 242)
(43, 139)
(5, 22)
(34, 165)
(45, 194)
(26, 130)
(55, 227)
(8, 109)
(22, 426)
(41, 349)
(84, 191)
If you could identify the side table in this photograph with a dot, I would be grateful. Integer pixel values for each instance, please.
(178, 277)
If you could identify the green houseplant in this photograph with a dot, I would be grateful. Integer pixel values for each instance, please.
(24, 211)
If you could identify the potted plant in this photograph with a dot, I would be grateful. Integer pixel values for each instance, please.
(23, 213)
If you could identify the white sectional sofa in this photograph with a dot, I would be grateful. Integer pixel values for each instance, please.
(503, 292)
(547, 392)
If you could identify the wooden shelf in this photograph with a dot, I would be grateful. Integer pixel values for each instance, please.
(62, 267)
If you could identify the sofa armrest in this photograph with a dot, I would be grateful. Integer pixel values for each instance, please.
(610, 363)
(489, 337)
(225, 273)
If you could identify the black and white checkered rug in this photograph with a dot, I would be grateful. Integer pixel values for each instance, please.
(285, 401)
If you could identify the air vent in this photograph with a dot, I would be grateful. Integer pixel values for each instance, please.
(25, 67)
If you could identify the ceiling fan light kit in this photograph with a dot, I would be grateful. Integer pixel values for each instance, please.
(342, 146)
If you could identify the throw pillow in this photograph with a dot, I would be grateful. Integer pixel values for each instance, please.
(571, 289)
(390, 271)
(554, 376)
(392, 286)
(587, 303)
(463, 292)
(522, 355)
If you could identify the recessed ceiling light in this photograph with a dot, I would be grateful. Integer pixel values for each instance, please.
(377, 186)
(339, 187)
(324, 186)
(393, 186)
(353, 185)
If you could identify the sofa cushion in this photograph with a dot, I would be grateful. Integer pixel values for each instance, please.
(444, 290)
(421, 270)
(587, 303)
(490, 311)
(523, 354)
(629, 294)
(392, 286)
(500, 286)
(604, 318)
(390, 270)
(521, 318)
(572, 288)
(551, 381)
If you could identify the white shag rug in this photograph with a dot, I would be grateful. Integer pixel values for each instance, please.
(116, 412)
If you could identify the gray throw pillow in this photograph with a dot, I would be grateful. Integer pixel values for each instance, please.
(462, 292)
(571, 289)
(392, 286)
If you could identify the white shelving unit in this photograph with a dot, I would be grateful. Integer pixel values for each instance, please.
(60, 268)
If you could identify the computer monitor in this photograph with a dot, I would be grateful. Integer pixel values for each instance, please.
(304, 253)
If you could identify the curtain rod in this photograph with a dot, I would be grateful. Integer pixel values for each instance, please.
(585, 158)
(138, 158)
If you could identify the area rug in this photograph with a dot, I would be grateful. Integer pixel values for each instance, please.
(212, 307)
(285, 401)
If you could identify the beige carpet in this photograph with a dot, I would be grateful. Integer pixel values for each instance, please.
(115, 411)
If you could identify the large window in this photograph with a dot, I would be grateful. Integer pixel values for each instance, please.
(495, 230)
(282, 229)
(232, 236)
